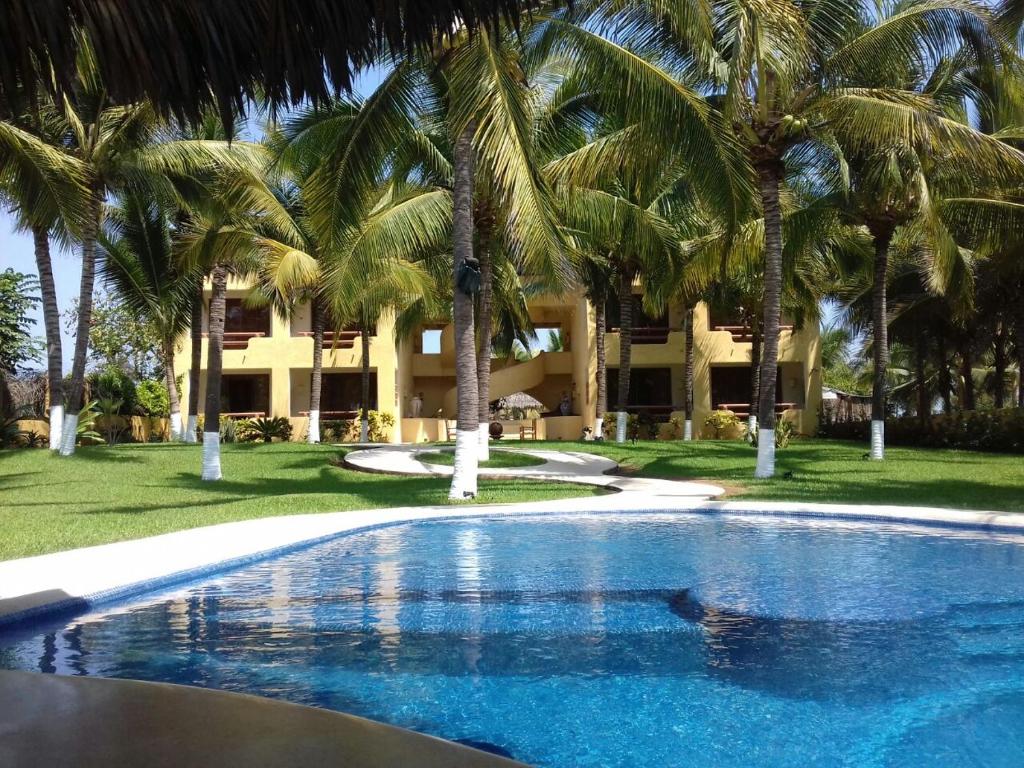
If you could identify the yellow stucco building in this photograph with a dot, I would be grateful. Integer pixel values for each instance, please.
(268, 367)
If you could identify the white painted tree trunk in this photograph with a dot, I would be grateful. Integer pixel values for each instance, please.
(765, 454)
(877, 440)
(211, 456)
(620, 426)
(467, 448)
(177, 432)
(599, 429)
(484, 438)
(191, 425)
(752, 423)
(314, 428)
(688, 430)
(69, 435)
(56, 426)
(364, 431)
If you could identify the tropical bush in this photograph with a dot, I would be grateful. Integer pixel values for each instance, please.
(228, 430)
(32, 439)
(114, 384)
(265, 430)
(784, 434)
(86, 433)
(153, 399)
(999, 430)
(380, 423)
(721, 421)
(9, 431)
(337, 430)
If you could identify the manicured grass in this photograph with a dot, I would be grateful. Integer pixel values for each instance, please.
(830, 471)
(110, 494)
(498, 460)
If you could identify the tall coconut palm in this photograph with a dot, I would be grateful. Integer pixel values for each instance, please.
(783, 78)
(195, 364)
(43, 185)
(472, 89)
(140, 264)
(118, 148)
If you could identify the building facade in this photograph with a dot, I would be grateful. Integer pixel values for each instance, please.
(268, 364)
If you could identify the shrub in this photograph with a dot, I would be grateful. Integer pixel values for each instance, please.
(379, 425)
(33, 439)
(720, 421)
(337, 430)
(265, 430)
(153, 398)
(114, 384)
(228, 430)
(996, 431)
(87, 434)
(784, 434)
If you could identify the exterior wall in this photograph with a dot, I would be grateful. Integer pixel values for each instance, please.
(402, 372)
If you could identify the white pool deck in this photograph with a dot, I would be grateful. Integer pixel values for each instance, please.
(74, 579)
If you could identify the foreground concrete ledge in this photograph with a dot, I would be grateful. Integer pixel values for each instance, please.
(52, 720)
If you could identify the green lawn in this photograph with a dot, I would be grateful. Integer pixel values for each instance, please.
(830, 471)
(109, 494)
(498, 460)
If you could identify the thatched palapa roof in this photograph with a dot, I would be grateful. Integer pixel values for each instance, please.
(188, 56)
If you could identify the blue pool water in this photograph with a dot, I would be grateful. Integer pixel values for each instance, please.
(627, 640)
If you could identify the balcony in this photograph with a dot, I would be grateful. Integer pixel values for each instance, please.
(335, 339)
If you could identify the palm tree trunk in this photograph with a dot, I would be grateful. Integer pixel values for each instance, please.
(1019, 340)
(364, 395)
(625, 349)
(214, 366)
(999, 363)
(600, 328)
(942, 360)
(483, 352)
(318, 320)
(924, 406)
(967, 401)
(688, 373)
(467, 444)
(755, 374)
(880, 328)
(172, 391)
(195, 365)
(51, 321)
(770, 175)
(76, 387)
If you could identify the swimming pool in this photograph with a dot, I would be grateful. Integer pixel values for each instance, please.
(608, 640)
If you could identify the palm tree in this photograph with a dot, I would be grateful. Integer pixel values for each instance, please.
(44, 185)
(141, 266)
(195, 363)
(785, 79)
(117, 148)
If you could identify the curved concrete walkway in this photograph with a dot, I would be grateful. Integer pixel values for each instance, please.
(558, 466)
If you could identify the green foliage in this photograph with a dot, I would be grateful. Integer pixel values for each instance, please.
(32, 439)
(9, 431)
(265, 430)
(119, 338)
(87, 434)
(720, 421)
(784, 434)
(228, 430)
(379, 425)
(17, 300)
(153, 399)
(339, 430)
(1000, 431)
(114, 384)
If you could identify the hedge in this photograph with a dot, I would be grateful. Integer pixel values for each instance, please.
(999, 430)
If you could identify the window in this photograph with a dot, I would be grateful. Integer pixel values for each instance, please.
(647, 387)
(431, 341)
(245, 393)
(341, 392)
(239, 318)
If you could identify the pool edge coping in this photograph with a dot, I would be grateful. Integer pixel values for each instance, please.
(339, 524)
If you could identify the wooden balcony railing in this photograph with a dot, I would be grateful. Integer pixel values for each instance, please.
(238, 339)
(742, 410)
(742, 334)
(339, 339)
